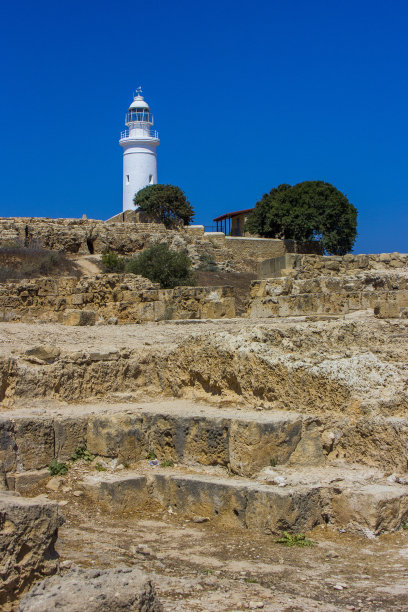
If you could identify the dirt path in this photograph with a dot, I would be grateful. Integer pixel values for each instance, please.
(89, 265)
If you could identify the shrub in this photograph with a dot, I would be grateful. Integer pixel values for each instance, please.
(57, 468)
(298, 539)
(111, 262)
(160, 265)
(81, 452)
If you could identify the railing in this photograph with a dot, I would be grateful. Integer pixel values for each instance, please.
(146, 132)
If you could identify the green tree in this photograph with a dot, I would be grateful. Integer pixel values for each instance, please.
(308, 211)
(166, 203)
(160, 265)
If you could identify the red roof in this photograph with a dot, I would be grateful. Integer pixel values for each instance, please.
(233, 214)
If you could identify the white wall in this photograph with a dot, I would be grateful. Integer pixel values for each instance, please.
(139, 164)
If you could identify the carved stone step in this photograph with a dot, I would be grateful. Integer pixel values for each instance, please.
(187, 432)
(369, 508)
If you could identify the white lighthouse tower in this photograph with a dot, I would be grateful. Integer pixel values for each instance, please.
(139, 144)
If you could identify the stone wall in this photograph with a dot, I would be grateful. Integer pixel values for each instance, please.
(310, 266)
(392, 305)
(85, 236)
(259, 249)
(286, 296)
(111, 297)
(255, 248)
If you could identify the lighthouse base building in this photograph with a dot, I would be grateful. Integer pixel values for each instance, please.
(139, 144)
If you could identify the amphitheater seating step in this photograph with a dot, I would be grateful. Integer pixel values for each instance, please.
(349, 501)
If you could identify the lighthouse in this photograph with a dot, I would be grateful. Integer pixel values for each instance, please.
(139, 144)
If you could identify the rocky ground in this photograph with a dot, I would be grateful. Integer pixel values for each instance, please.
(339, 377)
(203, 566)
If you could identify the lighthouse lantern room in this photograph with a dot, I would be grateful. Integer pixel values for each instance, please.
(139, 144)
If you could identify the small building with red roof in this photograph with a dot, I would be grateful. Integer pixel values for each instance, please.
(232, 223)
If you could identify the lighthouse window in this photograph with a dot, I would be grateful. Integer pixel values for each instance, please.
(150, 179)
(138, 114)
(127, 179)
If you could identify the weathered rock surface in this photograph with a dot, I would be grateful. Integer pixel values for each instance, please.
(349, 367)
(87, 236)
(79, 317)
(93, 591)
(189, 432)
(110, 298)
(301, 266)
(28, 532)
(291, 499)
(287, 296)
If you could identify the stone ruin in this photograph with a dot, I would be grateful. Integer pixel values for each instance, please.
(194, 441)
(110, 299)
(301, 285)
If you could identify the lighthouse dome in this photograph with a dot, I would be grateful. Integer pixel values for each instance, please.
(139, 103)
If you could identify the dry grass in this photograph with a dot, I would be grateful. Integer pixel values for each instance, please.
(18, 262)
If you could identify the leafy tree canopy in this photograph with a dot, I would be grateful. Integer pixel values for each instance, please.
(308, 211)
(167, 203)
(160, 265)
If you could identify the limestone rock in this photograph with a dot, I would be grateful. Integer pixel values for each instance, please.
(23, 482)
(44, 353)
(383, 291)
(3, 483)
(109, 590)
(371, 509)
(79, 317)
(28, 532)
(107, 299)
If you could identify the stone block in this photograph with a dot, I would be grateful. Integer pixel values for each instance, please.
(371, 509)
(29, 530)
(34, 440)
(271, 509)
(125, 494)
(69, 433)
(45, 353)
(118, 436)
(93, 590)
(77, 299)
(79, 317)
(386, 310)
(24, 482)
(8, 446)
(253, 445)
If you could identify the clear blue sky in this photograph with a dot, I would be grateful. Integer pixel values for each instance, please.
(246, 95)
